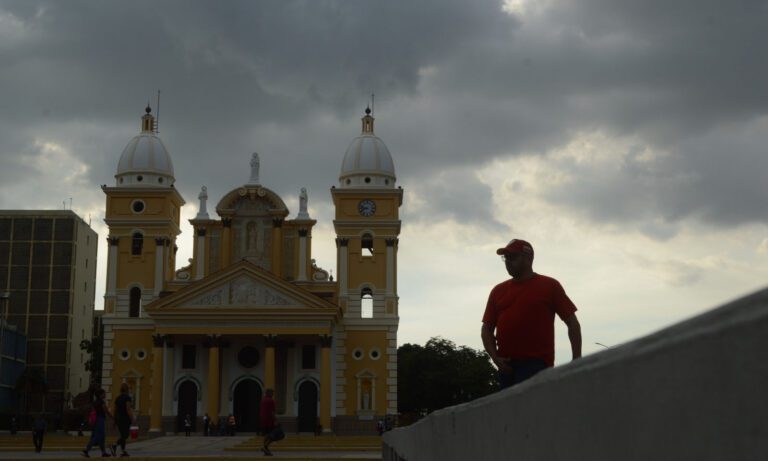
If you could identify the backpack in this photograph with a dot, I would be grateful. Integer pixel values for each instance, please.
(92, 417)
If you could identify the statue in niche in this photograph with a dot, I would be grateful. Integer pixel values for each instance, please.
(250, 237)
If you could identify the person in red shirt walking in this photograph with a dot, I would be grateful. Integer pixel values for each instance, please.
(268, 419)
(518, 324)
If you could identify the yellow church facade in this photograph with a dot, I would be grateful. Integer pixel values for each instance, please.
(252, 311)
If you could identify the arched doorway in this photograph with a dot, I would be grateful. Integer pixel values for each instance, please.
(246, 400)
(307, 407)
(187, 404)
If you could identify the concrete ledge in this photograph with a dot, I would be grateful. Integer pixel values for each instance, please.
(696, 390)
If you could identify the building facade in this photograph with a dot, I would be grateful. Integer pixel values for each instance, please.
(252, 311)
(48, 269)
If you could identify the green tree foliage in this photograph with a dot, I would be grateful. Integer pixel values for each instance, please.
(441, 374)
(93, 348)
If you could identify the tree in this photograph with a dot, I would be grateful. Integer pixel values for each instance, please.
(93, 348)
(440, 374)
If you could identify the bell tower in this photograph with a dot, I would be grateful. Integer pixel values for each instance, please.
(367, 225)
(143, 214)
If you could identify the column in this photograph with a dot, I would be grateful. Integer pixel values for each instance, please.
(226, 242)
(109, 301)
(156, 396)
(200, 254)
(213, 342)
(269, 361)
(159, 264)
(302, 254)
(391, 266)
(170, 376)
(325, 382)
(277, 246)
(342, 244)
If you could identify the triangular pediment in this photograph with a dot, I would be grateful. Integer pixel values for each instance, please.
(241, 286)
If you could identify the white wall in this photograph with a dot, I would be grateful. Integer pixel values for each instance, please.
(695, 391)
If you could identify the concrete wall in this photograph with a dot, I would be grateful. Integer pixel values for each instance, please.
(695, 391)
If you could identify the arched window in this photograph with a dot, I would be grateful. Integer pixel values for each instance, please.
(366, 244)
(366, 304)
(134, 307)
(137, 243)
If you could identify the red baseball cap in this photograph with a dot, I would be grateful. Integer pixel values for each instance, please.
(515, 246)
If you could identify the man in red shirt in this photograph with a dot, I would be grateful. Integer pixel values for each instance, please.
(518, 324)
(268, 419)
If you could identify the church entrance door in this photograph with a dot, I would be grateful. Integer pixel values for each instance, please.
(247, 398)
(307, 407)
(187, 404)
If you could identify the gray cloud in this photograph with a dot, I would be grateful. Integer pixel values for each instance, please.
(458, 85)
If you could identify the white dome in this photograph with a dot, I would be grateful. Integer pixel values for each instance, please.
(367, 162)
(145, 161)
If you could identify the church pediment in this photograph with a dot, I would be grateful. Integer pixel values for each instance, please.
(243, 286)
(245, 291)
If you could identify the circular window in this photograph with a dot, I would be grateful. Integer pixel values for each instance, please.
(121, 180)
(357, 354)
(349, 181)
(141, 354)
(248, 357)
(139, 178)
(125, 354)
(160, 180)
(375, 354)
(386, 181)
(137, 206)
(367, 180)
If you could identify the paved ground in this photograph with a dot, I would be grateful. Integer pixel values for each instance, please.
(171, 448)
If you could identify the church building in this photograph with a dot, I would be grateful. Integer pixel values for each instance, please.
(252, 311)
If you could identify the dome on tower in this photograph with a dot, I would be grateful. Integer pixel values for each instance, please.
(367, 162)
(145, 161)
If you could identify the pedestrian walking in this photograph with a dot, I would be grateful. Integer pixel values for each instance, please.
(124, 417)
(268, 419)
(206, 424)
(38, 432)
(98, 431)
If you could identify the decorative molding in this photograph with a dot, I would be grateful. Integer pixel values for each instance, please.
(160, 241)
(342, 242)
(391, 241)
(326, 340)
(158, 340)
(113, 241)
(270, 340)
(201, 232)
(303, 232)
(170, 343)
(226, 222)
(277, 222)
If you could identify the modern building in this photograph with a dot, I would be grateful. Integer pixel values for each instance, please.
(48, 268)
(252, 311)
(13, 359)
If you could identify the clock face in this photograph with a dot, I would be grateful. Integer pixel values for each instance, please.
(366, 207)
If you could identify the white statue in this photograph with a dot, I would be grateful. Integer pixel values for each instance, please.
(202, 213)
(254, 169)
(303, 199)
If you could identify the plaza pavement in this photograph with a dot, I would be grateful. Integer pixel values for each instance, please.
(171, 448)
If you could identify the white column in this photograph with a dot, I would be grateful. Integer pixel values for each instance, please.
(200, 254)
(390, 267)
(112, 266)
(159, 265)
(343, 269)
(169, 375)
(302, 255)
